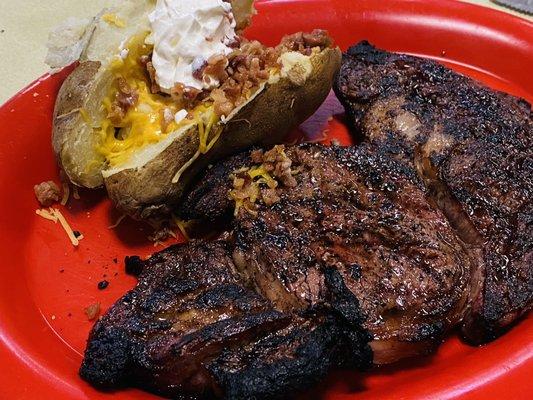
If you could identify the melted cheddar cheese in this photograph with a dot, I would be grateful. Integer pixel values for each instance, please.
(144, 122)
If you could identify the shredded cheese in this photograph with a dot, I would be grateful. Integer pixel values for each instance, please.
(263, 175)
(204, 130)
(66, 193)
(144, 123)
(185, 166)
(46, 215)
(53, 214)
(113, 19)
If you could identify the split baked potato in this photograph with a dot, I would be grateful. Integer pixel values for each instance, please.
(146, 160)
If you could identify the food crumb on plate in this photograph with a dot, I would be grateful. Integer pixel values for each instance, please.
(47, 193)
(103, 284)
(93, 311)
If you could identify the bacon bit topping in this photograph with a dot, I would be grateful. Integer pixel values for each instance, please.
(125, 98)
(185, 96)
(306, 42)
(216, 68)
(93, 311)
(47, 193)
(147, 63)
(239, 75)
(261, 181)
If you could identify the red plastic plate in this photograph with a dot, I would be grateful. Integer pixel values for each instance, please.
(45, 284)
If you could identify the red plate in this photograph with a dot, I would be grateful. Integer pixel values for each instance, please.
(46, 284)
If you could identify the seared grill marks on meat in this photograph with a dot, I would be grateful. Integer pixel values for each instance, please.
(473, 148)
(358, 217)
(192, 327)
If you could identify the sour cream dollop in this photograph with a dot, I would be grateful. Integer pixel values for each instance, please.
(185, 34)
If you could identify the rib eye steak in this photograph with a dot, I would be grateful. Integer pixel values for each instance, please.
(362, 216)
(473, 148)
(190, 327)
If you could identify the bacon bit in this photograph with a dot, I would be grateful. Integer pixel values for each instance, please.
(257, 156)
(216, 68)
(47, 193)
(222, 105)
(125, 98)
(93, 311)
(270, 196)
(198, 69)
(277, 161)
(260, 181)
(184, 95)
(239, 75)
(305, 42)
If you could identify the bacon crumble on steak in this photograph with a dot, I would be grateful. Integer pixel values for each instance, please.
(259, 182)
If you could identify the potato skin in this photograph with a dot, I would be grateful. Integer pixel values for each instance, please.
(148, 193)
(73, 139)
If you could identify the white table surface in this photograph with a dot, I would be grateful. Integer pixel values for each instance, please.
(24, 27)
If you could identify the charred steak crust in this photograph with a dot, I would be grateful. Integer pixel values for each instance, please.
(473, 148)
(298, 356)
(191, 328)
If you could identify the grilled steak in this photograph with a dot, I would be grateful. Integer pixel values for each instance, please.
(473, 148)
(191, 327)
(359, 218)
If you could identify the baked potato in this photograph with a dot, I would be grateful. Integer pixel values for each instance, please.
(143, 156)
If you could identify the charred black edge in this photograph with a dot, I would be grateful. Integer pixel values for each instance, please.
(323, 349)
(346, 309)
(134, 265)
